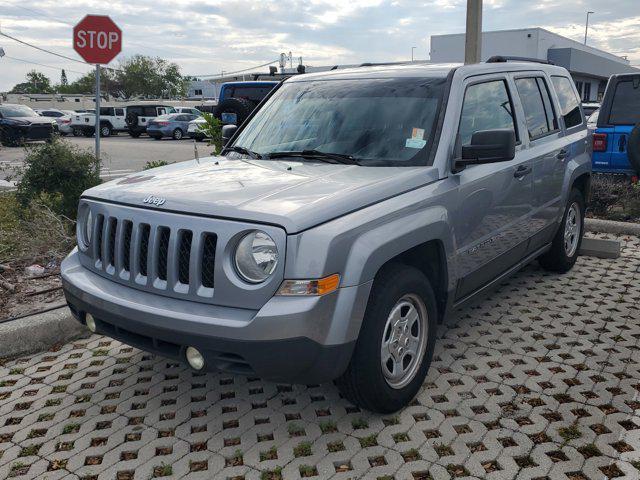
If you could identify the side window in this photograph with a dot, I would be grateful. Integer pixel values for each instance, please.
(150, 112)
(119, 112)
(486, 106)
(569, 103)
(534, 107)
(552, 120)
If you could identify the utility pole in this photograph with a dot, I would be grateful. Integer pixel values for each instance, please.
(586, 27)
(473, 36)
(412, 49)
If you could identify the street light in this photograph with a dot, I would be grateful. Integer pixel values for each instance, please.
(412, 49)
(586, 27)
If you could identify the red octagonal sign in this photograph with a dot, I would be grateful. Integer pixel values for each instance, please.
(97, 39)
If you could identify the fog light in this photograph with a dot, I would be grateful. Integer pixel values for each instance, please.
(91, 323)
(195, 358)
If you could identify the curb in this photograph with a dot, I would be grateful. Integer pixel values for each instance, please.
(609, 226)
(39, 332)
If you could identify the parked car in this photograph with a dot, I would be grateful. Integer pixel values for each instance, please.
(589, 107)
(193, 129)
(189, 110)
(139, 115)
(616, 140)
(112, 120)
(173, 125)
(238, 99)
(19, 124)
(62, 118)
(340, 225)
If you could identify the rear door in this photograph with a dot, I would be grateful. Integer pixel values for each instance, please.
(545, 147)
(493, 216)
(118, 119)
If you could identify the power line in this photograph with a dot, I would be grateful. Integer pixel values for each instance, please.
(44, 49)
(43, 65)
(237, 71)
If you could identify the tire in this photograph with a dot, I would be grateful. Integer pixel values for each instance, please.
(77, 132)
(105, 130)
(633, 148)
(367, 382)
(240, 106)
(563, 255)
(131, 119)
(177, 134)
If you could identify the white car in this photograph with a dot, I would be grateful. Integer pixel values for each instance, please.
(112, 120)
(189, 110)
(62, 118)
(193, 130)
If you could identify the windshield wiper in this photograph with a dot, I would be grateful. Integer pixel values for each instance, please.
(317, 155)
(244, 151)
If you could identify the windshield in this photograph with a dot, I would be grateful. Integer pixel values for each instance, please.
(9, 111)
(376, 121)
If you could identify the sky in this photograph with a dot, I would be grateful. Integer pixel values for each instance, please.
(209, 36)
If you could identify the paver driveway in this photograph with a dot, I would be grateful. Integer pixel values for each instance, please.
(539, 381)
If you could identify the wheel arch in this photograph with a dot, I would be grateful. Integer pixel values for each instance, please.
(583, 183)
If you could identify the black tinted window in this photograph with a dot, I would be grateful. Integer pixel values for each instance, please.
(625, 109)
(150, 112)
(549, 111)
(486, 107)
(250, 93)
(534, 111)
(107, 111)
(569, 103)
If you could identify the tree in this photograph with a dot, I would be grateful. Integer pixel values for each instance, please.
(63, 79)
(150, 77)
(36, 82)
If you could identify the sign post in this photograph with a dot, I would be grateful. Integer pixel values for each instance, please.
(98, 40)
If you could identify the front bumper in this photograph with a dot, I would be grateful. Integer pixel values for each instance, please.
(290, 339)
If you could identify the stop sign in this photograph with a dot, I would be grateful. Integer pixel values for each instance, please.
(97, 39)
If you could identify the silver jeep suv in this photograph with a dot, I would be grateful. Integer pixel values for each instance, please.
(340, 225)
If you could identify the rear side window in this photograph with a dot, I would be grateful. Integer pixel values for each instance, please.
(569, 103)
(486, 106)
(625, 108)
(150, 112)
(537, 106)
(119, 111)
(250, 93)
(106, 111)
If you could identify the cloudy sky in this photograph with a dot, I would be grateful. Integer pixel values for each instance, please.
(207, 36)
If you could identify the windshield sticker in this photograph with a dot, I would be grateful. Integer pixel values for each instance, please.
(417, 133)
(415, 143)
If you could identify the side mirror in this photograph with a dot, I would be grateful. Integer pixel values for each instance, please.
(488, 146)
(227, 132)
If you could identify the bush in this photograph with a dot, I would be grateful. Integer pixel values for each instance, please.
(32, 233)
(212, 130)
(55, 174)
(614, 197)
(154, 164)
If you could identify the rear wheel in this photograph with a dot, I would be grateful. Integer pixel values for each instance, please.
(396, 342)
(105, 130)
(77, 132)
(566, 244)
(177, 134)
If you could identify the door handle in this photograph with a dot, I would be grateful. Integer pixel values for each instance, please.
(522, 171)
(562, 154)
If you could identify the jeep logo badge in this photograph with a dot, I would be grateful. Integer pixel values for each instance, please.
(157, 201)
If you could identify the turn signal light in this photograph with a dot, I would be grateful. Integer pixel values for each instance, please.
(599, 142)
(318, 287)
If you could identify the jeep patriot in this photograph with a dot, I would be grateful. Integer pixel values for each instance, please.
(342, 222)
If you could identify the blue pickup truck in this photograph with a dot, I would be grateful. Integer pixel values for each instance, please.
(616, 139)
(238, 99)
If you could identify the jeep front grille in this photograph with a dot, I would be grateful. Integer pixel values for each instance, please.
(155, 256)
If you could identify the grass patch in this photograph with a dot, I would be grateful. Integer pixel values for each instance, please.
(570, 433)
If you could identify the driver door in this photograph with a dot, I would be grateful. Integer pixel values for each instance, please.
(494, 209)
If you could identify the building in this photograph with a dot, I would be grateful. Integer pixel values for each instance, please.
(202, 90)
(589, 67)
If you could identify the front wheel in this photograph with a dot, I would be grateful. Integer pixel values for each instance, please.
(394, 349)
(566, 244)
(105, 130)
(177, 134)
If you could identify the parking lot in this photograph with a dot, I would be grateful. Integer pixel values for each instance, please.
(539, 381)
(121, 154)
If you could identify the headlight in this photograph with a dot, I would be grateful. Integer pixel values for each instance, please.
(256, 257)
(85, 224)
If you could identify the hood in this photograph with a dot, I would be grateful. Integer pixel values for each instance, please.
(294, 195)
(33, 120)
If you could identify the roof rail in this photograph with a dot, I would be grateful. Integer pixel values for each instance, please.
(381, 64)
(508, 58)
